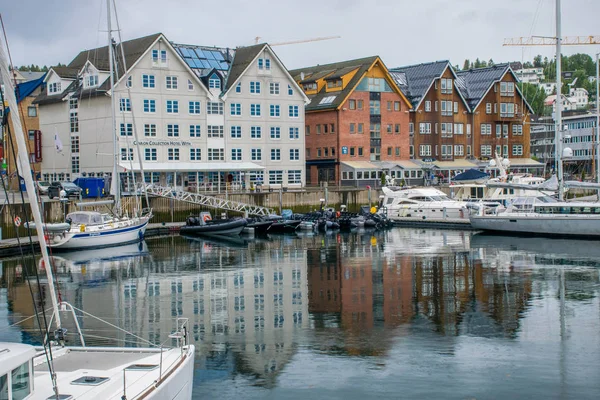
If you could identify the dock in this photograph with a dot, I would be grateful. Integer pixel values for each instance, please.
(435, 223)
(12, 247)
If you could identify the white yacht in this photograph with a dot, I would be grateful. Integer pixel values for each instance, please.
(425, 203)
(490, 192)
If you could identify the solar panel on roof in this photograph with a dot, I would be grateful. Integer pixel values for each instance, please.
(214, 64)
(219, 56)
(200, 53)
(224, 65)
(209, 55)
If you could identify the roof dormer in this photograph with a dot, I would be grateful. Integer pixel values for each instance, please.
(90, 76)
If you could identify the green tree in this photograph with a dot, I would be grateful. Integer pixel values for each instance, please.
(491, 63)
(535, 96)
(477, 63)
(466, 65)
(537, 61)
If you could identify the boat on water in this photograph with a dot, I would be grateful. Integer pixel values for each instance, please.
(206, 226)
(425, 203)
(57, 371)
(258, 226)
(544, 215)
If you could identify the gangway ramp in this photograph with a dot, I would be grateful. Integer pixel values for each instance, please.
(208, 201)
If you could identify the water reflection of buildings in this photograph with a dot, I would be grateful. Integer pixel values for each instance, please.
(243, 316)
(369, 285)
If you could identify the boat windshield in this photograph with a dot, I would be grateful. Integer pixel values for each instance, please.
(85, 218)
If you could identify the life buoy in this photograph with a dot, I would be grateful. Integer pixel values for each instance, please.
(338, 214)
(206, 218)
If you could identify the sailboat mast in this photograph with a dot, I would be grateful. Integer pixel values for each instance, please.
(25, 170)
(558, 128)
(115, 180)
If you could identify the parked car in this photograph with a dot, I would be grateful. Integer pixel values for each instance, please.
(71, 189)
(43, 186)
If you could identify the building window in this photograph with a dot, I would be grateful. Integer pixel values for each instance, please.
(293, 111)
(172, 106)
(389, 150)
(517, 130)
(54, 87)
(236, 154)
(274, 88)
(446, 108)
(32, 111)
(148, 81)
(73, 103)
(149, 129)
(91, 81)
(375, 107)
(397, 129)
(126, 129)
(486, 150)
(446, 129)
(411, 128)
(425, 128)
(352, 104)
(255, 110)
(214, 82)
(427, 106)
(275, 132)
(235, 109)
(294, 176)
(261, 63)
(294, 154)
(396, 106)
(488, 108)
(389, 129)
(446, 86)
(507, 89)
(294, 133)
(74, 144)
(274, 110)
(194, 107)
(275, 154)
(352, 128)
(195, 131)
(171, 82)
(425, 150)
(360, 151)
(290, 90)
(255, 132)
(74, 164)
(397, 151)
(238, 88)
(352, 151)
(216, 154)
(150, 154)
(173, 154)
(459, 129)
(255, 87)
(161, 53)
(124, 105)
(214, 108)
(173, 130)
(486, 129)
(507, 110)
(74, 122)
(275, 177)
(126, 154)
(195, 154)
(236, 132)
(215, 131)
(190, 85)
(459, 150)
(517, 150)
(256, 154)
(149, 106)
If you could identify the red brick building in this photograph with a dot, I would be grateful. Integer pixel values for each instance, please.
(358, 119)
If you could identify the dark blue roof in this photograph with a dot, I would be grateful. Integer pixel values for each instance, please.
(470, 175)
(26, 88)
(414, 80)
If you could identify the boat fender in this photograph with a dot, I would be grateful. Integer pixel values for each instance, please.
(82, 228)
(462, 213)
(206, 218)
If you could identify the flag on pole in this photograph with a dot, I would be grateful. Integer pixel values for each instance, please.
(57, 143)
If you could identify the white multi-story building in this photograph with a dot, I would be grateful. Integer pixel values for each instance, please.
(579, 96)
(530, 75)
(203, 116)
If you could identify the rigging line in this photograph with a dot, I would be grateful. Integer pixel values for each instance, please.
(47, 352)
(21, 321)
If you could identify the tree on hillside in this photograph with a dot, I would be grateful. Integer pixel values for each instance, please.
(491, 63)
(534, 95)
(537, 61)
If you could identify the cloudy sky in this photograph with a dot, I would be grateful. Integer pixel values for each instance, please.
(402, 32)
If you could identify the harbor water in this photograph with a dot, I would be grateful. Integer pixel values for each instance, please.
(403, 313)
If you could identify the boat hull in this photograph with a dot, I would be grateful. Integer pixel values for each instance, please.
(227, 228)
(286, 226)
(179, 385)
(105, 238)
(260, 227)
(536, 224)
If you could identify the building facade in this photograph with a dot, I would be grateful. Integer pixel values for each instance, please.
(356, 121)
(172, 116)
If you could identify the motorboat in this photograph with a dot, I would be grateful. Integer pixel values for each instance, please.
(205, 225)
(489, 192)
(424, 203)
(91, 229)
(258, 226)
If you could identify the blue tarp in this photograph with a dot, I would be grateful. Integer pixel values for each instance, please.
(470, 175)
(26, 88)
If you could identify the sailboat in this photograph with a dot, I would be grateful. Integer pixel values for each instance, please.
(59, 372)
(544, 215)
(91, 229)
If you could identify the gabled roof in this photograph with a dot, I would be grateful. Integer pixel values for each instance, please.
(475, 83)
(415, 80)
(319, 71)
(242, 59)
(133, 50)
(66, 72)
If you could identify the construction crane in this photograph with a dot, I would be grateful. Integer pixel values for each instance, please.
(551, 41)
(257, 39)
